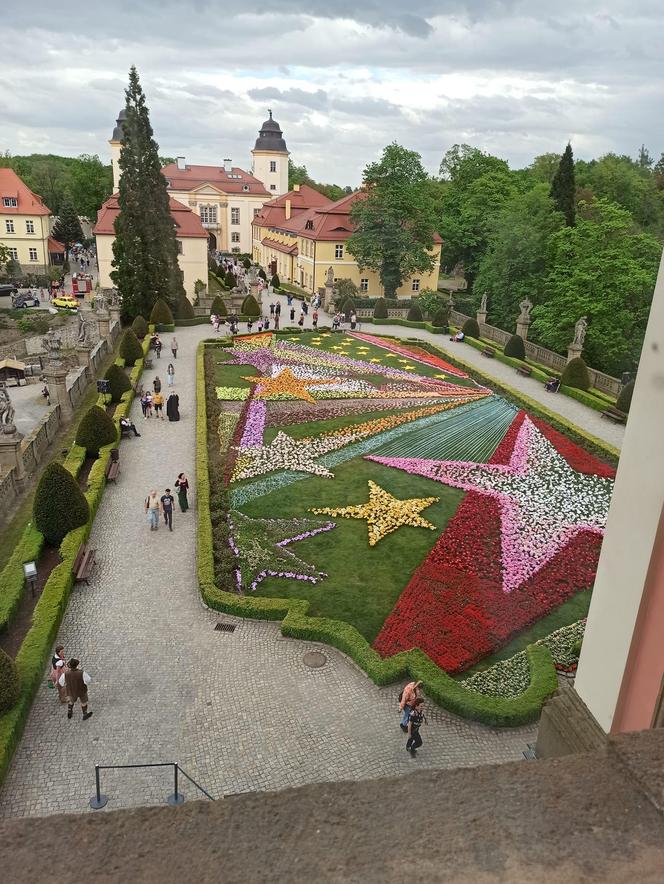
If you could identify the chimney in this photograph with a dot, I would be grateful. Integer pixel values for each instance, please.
(182, 166)
(288, 212)
(296, 188)
(228, 165)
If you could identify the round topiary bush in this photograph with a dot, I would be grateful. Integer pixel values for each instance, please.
(95, 430)
(470, 328)
(250, 306)
(140, 327)
(380, 309)
(161, 313)
(440, 318)
(348, 307)
(9, 682)
(575, 374)
(59, 505)
(130, 347)
(229, 280)
(218, 307)
(276, 282)
(414, 314)
(515, 348)
(184, 309)
(119, 382)
(262, 274)
(625, 398)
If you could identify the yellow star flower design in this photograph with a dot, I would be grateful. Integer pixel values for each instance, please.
(286, 382)
(384, 513)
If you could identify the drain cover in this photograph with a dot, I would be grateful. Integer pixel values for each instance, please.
(314, 659)
(225, 627)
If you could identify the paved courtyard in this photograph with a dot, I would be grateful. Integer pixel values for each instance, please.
(239, 711)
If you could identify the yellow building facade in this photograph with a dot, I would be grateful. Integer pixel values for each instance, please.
(25, 225)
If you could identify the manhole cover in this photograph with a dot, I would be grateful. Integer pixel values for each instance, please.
(314, 659)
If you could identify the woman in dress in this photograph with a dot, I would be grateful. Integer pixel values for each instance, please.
(170, 374)
(182, 485)
(58, 666)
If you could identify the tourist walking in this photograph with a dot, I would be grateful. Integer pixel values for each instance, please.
(167, 502)
(276, 322)
(305, 308)
(314, 319)
(271, 309)
(182, 485)
(250, 325)
(158, 402)
(148, 403)
(173, 407)
(353, 320)
(415, 722)
(156, 384)
(58, 668)
(260, 325)
(75, 682)
(292, 314)
(407, 698)
(277, 309)
(174, 347)
(170, 374)
(152, 507)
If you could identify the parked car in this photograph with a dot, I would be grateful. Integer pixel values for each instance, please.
(27, 299)
(8, 288)
(65, 302)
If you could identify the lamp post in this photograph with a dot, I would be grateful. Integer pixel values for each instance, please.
(30, 573)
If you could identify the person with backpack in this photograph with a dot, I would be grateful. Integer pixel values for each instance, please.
(407, 698)
(415, 721)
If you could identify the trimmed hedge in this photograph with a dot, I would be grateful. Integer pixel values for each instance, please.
(625, 398)
(262, 274)
(380, 309)
(95, 430)
(197, 320)
(414, 314)
(59, 505)
(161, 313)
(515, 348)
(348, 307)
(140, 327)
(471, 328)
(229, 280)
(9, 682)
(184, 309)
(439, 686)
(275, 282)
(118, 381)
(250, 307)
(130, 348)
(575, 374)
(441, 318)
(218, 307)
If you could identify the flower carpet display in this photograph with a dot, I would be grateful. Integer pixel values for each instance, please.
(390, 492)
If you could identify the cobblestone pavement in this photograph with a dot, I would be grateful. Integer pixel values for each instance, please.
(239, 711)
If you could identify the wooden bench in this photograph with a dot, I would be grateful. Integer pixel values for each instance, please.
(83, 564)
(489, 352)
(615, 415)
(112, 469)
(525, 370)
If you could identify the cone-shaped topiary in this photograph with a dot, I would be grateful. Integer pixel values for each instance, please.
(276, 283)
(441, 318)
(625, 398)
(218, 307)
(470, 328)
(161, 313)
(9, 683)
(414, 314)
(140, 327)
(59, 505)
(250, 306)
(515, 348)
(130, 348)
(95, 430)
(184, 309)
(575, 374)
(380, 309)
(119, 382)
(229, 280)
(348, 307)
(246, 263)
(262, 274)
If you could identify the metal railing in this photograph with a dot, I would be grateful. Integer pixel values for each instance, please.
(99, 800)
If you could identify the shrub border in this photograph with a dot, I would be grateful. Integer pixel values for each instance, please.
(47, 616)
(439, 686)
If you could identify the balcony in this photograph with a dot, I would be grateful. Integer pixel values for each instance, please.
(210, 225)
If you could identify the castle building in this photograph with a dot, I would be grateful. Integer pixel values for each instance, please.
(302, 234)
(25, 225)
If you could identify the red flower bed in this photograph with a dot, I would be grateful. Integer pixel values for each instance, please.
(455, 608)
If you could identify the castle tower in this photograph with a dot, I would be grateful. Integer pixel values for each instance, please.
(270, 158)
(116, 143)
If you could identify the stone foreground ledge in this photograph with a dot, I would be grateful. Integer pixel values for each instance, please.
(580, 818)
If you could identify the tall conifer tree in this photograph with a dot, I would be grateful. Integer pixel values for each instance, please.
(145, 246)
(563, 187)
(67, 228)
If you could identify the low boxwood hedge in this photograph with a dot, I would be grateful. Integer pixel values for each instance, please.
(439, 686)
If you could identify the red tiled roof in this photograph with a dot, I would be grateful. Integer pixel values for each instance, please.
(329, 222)
(28, 202)
(273, 214)
(55, 246)
(187, 223)
(195, 176)
(279, 246)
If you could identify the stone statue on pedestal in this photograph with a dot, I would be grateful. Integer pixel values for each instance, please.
(113, 298)
(6, 411)
(580, 330)
(99, 303)
(483, 303)
(53, 345)
(329, 278)
(526, 306)
(85, 330)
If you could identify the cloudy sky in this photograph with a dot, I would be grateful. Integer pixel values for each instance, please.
(514, 77)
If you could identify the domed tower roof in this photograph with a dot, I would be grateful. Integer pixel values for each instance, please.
(271, 137)
(118, 133)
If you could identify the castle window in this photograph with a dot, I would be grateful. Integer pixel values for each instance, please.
(209, 214)
(364, 285)
(273, 165)
(13, 253)
(256, 212)
(338, 251)
(235, 216)
(235, 237)
(416, 285)
(9, 225)
(245, 187)
(33, 254)
(9, 202)
(273, 186)
(309, 225)
(29, 226)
